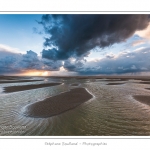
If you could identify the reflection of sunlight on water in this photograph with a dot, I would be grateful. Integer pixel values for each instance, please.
(46, 80)
(111, 111)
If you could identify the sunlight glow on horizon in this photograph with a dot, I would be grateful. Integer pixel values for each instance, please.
(34, 73)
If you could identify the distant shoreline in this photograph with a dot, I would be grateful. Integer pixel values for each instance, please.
(80, 76)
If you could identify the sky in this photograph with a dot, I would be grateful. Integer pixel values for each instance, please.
(74, 44)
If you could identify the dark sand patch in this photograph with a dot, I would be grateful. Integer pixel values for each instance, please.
(126, 79)
(75, 84)
(58, 104)
(13, 77)
(19, 81)
(7, 78)
(143, 99)
(27, 87)
(145, 79)
(112, 80)
(147, 88)
(115, 83)
(143, 82)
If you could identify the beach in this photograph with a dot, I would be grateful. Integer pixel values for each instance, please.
(92, 105)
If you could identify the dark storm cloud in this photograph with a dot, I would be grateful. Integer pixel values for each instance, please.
(75, 35)
(74, 64)
(51, 65)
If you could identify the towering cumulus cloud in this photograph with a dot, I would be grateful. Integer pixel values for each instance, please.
(75, 35)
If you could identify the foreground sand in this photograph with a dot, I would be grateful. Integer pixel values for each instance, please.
(27, 87)
(143, 99)
(58, 104)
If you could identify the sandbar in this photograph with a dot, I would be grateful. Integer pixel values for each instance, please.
(57, 104)
(114, 83)
(27, 87)
(16, 81)
(143, 99)
(143, 82)
(13, 77)
(112, 80)
(74, 84)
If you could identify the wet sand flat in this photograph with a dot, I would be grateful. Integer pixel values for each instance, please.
(58, 104)
(46, 112)
(143, 99)
(27, 87)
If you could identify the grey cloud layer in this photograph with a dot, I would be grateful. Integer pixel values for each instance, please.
(129, 62)
(74, 35)
(16, 63)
